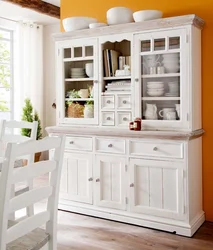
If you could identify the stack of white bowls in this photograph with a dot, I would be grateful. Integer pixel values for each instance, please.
(77, 73)
(155, 88)
(171, 62)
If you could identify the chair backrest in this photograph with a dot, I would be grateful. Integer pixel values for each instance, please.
(10, 175)
(6, 137)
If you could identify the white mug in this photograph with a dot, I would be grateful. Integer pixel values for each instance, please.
(171, 115)
(165, 111)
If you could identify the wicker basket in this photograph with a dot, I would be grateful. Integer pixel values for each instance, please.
(75, 110)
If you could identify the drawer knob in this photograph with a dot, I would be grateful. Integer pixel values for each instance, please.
(97, 180)
(124, 101)
(108, 118)
(125, 119)
(131, 185)
(110, 146)
(96, 81)
(108, 101)
(155, 149)
(90, 179)
(71, 142)
(136, 79)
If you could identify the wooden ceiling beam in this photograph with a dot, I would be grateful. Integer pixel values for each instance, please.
(39, 6)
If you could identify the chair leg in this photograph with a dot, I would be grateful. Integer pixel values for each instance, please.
(30, 209)
(12, 216)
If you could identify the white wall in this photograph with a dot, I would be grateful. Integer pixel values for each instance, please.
(49, 74)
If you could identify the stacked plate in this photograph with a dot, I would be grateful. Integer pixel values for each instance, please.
(155, 88)
(173, 89)
(77, 73)
(171, 62)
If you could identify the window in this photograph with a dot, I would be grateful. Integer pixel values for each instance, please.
(6, 74)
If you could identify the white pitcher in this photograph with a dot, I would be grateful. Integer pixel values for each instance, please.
(151, 112)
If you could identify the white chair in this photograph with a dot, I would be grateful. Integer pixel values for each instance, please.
(8, 134)
(26, 234)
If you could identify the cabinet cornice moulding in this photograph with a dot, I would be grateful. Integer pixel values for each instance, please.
(39, 6)
(162, 23)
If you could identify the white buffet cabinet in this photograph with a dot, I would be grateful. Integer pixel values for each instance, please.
(152, 177)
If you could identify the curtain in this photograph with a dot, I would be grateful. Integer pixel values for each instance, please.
(28, 67)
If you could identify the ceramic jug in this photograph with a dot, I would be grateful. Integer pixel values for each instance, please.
(151, 112)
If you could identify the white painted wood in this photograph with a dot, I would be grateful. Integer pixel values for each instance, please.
(104, 145)
(9, 175)
(79, 143)
(31, 197)
(149, 197)
(123, 119)
(108, 102)
(108, 118)
(110, 182)
(124, 102)
(80, 177)
(157, 149)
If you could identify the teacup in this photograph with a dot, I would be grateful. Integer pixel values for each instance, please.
(171, 115)
(166, 111)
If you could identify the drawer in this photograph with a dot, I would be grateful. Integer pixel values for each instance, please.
(78, 143)
(124, 118)
(108, 102)
(115, 146)
(124, 102)
(108, 118)
(156, 149)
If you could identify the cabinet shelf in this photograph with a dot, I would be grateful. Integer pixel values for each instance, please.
(78, 79)
(88, 58)
(161, 75)
(159, 98)
(79, 99)
(117, 78)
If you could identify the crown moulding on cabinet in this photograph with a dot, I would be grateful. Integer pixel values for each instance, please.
(39, 6)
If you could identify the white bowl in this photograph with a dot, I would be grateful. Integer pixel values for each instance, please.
(118, 15)
(96, 25)
(172, 69)
(77, 23)
(145, 15)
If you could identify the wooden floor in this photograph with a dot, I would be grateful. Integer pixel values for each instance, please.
(79, 232)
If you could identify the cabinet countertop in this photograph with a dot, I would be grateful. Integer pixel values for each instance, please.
(94, 131)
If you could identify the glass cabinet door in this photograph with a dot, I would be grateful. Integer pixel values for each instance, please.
(77, 95)
(160, 79)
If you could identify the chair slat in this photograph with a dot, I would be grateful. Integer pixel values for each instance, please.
(29, 198)
(33, 170)
(27, 225)
(39, 146)
(14, 138)
(18, 124)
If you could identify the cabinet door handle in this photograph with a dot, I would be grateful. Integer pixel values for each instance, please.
(155, 149)
(96, 81)
(90, 179)
(97, 180)
(71, 142)
(131, 185)
(108, 101)
(110, 146)
(125, 119)
(124, 101)
(108, 118)
(136, 79)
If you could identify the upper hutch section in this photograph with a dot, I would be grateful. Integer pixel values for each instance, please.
(109, 75)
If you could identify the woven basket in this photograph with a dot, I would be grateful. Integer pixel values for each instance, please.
(75, 110)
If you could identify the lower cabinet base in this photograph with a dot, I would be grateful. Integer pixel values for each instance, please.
(178, 227)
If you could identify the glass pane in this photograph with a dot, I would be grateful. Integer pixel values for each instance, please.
(150, 64)
(67, 53)
(4, 76)
(5, 115)
(4, 34)
(145, 46)
(4, 99)
(4, 52)
(159, 44)
(78, 52)
(174, 42)
(89, 51)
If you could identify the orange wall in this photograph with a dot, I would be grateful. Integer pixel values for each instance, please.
(202, 8)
